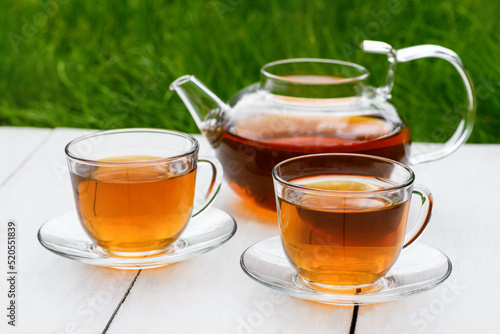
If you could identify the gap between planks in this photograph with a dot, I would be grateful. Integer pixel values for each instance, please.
(121, 303)
(354, 319)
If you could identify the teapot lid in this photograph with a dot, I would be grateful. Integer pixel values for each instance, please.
(313, 78)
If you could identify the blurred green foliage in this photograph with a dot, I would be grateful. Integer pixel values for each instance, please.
(108, 64)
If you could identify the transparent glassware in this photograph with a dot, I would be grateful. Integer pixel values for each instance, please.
(306, 106)
(419, 268)
(136, 189)
(343, 217)
(142, 214)
(64, 236)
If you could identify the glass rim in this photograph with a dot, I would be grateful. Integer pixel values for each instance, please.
(409, 181)
(193, 149)
(365, 73)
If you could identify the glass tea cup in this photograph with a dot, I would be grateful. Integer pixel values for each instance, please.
(135, 188)
(343, 217)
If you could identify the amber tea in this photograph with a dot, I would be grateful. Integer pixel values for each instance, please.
(338, 239)
(250, 149)
(137, 207)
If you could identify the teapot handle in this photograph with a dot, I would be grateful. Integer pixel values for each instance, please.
(430, 51)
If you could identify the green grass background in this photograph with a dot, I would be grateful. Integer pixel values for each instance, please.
(108, 64)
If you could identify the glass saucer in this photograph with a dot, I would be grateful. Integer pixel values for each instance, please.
(64, 236)
(419, 267)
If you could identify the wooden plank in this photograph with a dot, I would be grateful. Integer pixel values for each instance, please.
(16, 145)
(211, 294)
(465, 226)
(55, 295)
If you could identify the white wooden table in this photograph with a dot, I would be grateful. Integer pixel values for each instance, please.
(210, 293)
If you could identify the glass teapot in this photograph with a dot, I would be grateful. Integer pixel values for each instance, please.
(306, 106)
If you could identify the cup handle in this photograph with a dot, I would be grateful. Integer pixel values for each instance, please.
(424, 216)
(430, 51)
(215, 183)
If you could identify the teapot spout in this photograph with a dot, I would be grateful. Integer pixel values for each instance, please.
(207, 110)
